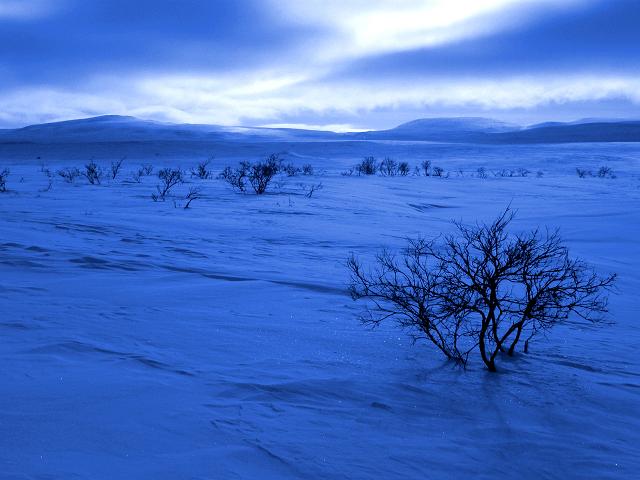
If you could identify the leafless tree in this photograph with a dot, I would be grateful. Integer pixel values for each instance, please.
(169, 178)
(481, 289)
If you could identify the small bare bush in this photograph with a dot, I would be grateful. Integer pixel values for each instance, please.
(258, 174)
(583, 173)
(49, 176)
(438, 172)
(606, 172)
(404, 169)
(144, 171)
(483, 289)
(261, 173)
(69, 174)
(169, 178)
(388, 167)
(116, 166)
(426, 168)
(4, 174)
(481, 172)
(195, 193)
(309, 190)
(290, 170)
(236, 177)
(368, 166)
(202, 171)
(307, 169)
(93, 173)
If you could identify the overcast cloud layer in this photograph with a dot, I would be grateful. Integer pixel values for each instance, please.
(344, 64)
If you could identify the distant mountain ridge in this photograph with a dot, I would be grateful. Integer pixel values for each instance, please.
(114, 128)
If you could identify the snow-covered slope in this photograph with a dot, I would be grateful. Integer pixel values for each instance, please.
(139, 340)
(442, 129)
(113, 128)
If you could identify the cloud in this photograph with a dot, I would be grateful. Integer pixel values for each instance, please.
(366, 27)
(317, 62)
(200, 100)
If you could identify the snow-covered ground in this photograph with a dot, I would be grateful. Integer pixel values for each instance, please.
(143, 341)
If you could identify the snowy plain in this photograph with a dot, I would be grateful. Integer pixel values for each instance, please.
(139, 340)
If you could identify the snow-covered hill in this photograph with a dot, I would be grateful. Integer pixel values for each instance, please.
(113, 128)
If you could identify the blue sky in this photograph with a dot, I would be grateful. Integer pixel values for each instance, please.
(340, 64)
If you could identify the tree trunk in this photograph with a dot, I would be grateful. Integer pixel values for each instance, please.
(515, 341)
(488, 361)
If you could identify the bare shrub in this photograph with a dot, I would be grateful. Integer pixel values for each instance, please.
(69, 174)
(169, 178)
(583, 173)
(508, 173)
(368, 166)
(115, 167)
(93, 173)
(4, 174)
(539, 174)
(404, 169)
(309, 190)
(438, 172)
(261, 173)
(426, 167)
(258, 174)
(144, 171)
(481, 172)
(388, 167)
(236, 177)
(49, 176)
(482, 289)
(290, 170)
(606, 172)
(195, 193)
(348, 172)
(307, 169)
(202, 171)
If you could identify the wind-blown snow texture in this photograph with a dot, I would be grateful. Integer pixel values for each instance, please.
(144, 341)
